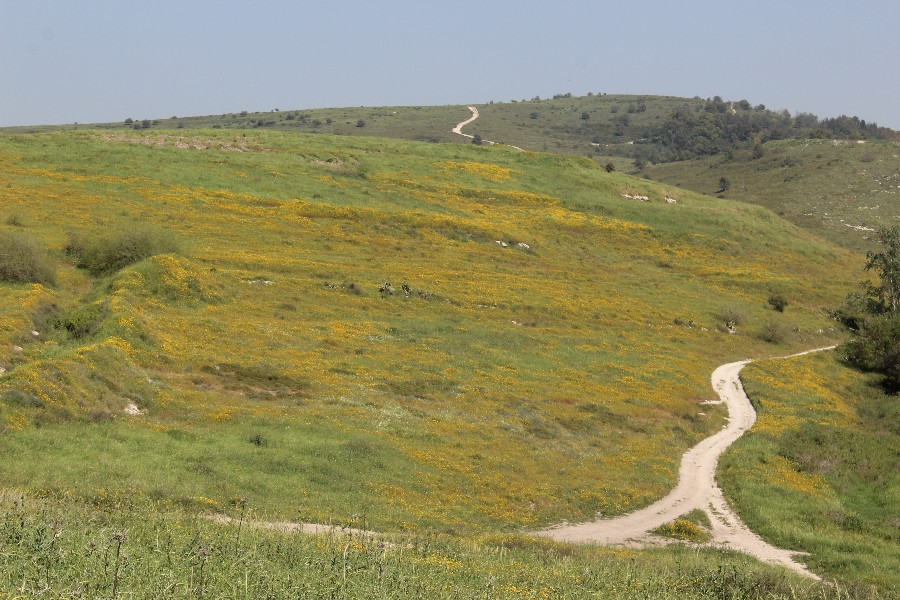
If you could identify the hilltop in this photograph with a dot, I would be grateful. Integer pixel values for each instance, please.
(813, 172)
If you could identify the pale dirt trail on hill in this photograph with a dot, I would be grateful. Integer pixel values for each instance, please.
(697, 488)
(458, 129)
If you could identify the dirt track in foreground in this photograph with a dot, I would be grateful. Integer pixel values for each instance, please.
(696, 489)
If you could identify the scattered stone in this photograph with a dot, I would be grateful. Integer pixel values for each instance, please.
(671, 200)
(524, 246)
(35, 333)
(260, 281)
(17, 348)
(132, 409)
(2, 370)
(502, 243)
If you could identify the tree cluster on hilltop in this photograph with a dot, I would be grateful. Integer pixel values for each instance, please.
(718, 126)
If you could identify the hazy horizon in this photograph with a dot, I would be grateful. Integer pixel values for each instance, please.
(63, 63)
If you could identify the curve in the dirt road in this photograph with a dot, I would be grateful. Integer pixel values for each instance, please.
(458, 129)
(696, 489)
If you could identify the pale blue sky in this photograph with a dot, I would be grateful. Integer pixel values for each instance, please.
(101, 60)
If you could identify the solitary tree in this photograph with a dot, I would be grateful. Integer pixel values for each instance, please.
(887, 264)
(876, 345)
(724, 184)
(476, 139)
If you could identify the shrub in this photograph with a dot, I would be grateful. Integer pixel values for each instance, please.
(876, 347)
(15, 220)
(23, 260)
(82, 322)
(778, 302)
(772, 333)
(105, 255)
(610, 167)
(733, 315)
(360, 123)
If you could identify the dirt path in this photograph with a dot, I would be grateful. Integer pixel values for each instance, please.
(458, 129)
(697, 488)
(288, 527)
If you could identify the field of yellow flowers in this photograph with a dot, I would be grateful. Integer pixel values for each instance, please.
(433, 337)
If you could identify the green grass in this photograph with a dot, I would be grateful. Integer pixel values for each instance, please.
(56, 548)
(819, 472)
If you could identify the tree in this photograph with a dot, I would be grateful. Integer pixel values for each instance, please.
(610, 167)
(360, 123)
(724, 184)
(887, 264)
(876, 345)
(585, 116)
(476, 139)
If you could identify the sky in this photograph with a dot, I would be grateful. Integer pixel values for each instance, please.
(68, 61)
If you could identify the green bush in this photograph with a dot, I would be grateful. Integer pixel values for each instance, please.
(778, 302)
(732, 315)
(876, 347)
(23, 260)
(772, 333)
(104, 255)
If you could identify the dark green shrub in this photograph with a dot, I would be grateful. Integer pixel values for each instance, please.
(778, 302)
(104, 255)
(82, 321)
(20, 398)
(23, 260)
(876, 347)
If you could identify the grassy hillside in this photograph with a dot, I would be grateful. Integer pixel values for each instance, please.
(840, 190)
(61, 549)
(612, 125)
(820, 471)
(418, 337)
(831, 185)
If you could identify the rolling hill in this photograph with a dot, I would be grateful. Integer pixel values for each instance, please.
(414, 337)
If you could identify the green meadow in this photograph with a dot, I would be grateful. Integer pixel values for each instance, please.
(450, 344)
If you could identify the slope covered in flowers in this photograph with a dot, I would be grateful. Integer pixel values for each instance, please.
(435, 336)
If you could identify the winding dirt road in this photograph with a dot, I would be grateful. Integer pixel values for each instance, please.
(696, 489)
(458, 129)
